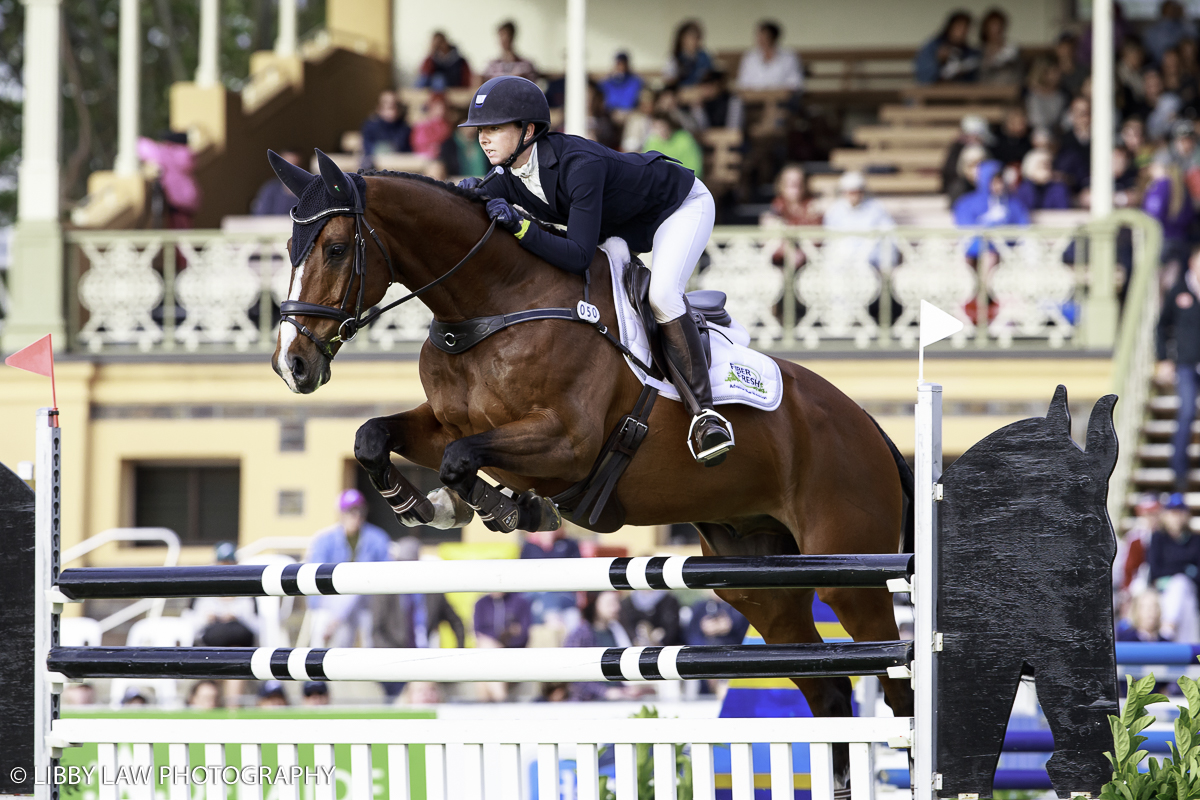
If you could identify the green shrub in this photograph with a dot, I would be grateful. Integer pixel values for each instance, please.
(645, 768)
(1178, 776)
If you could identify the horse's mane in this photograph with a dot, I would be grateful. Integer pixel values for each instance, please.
(466, 194)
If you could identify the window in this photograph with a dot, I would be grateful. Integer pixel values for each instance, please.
(198, 502)
(380, 513)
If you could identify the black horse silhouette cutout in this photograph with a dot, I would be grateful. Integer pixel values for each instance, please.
(1025, 563)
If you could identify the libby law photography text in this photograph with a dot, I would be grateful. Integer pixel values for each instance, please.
(141, 775)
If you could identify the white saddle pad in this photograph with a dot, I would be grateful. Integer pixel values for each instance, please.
(739, 374)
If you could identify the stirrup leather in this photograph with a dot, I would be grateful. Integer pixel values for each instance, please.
(712, 452)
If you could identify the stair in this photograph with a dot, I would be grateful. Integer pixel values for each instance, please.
(1151, 472)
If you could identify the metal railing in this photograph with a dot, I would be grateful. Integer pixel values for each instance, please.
(794, 289)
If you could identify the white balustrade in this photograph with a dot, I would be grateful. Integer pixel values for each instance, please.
(793, 289)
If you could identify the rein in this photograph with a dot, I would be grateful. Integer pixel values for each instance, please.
(351, 324)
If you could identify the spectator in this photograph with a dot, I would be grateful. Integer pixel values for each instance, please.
(1170, 29)
(443, 68)
(204, 696)
(1168, 201)
(1178, 82)
(1132, 547)
(461, 155)
(509, 63)
(793, 204)
(1131, 93)
(689, 63)
(554, 608)
(637, 124)
(430, 133)
(990, 204)
(621, 88)
(855, 211)
(651, 617)
(601, 127)
(226, 621)
(316, 693)
(766, 65)
(271, 694)
(135, 696)
(1044, 101)
(1133, 137)
(717, 107)
(79, 694)
(411, 620)
(947, 56)
(1162, 107)
(1183, 153)
(171, 159)
(1014, 141)
(386, 131)
(1071, 73)
(273, 198)
(421, 693)
(999, 59)
(667, 102)
(964, 176)
(1038, 189)
(336, 618)
(974, 132)
(715, 622)
(502, 619)
(1174, 560)
(1126, 182)
(599, 626)
(668, 138)
(1146, 624)
(1074, 158)
(1178, 352)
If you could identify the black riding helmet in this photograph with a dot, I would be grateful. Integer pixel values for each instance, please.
(510, 99)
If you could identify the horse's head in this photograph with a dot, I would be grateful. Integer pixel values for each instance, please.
(336, 276)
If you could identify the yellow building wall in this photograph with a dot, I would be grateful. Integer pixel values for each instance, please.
(115, 414)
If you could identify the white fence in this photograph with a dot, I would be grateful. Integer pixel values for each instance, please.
(793, 288)
(465, 761)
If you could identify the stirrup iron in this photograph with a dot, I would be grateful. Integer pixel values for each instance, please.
(713, 455)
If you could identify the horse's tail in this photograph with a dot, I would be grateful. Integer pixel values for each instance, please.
(906, 484)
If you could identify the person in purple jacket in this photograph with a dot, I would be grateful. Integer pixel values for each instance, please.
(1167, 200)
(1038, 188)
(989, 206)
(502, 619)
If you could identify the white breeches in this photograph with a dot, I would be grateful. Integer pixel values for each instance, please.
(1180, 618)
(678, 244)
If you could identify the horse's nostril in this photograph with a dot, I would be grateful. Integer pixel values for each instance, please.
(299, 369)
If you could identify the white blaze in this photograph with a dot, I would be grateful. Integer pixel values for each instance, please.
(288, 332)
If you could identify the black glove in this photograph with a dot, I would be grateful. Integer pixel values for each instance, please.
(469, 183)
(505, 215)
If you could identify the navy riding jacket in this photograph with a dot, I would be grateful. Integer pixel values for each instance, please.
(597, 192)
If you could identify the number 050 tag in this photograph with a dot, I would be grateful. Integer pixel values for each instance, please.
(587, 312)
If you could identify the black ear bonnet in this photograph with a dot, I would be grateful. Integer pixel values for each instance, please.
(319, 205)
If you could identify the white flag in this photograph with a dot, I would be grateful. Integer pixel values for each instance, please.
(937, 324)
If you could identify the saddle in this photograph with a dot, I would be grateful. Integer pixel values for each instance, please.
(706, 306)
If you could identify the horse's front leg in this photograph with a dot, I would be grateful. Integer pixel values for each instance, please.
(536, 446)
(419, 437)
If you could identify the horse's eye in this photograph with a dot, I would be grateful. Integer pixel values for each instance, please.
(337, 250)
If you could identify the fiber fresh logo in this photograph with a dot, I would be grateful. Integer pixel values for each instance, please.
(479, 98)
(746, 378)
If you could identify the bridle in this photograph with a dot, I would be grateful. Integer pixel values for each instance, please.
(350, 324)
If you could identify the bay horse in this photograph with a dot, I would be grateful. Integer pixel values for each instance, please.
(532, 405)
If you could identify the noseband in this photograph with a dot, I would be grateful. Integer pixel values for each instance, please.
(350, 324)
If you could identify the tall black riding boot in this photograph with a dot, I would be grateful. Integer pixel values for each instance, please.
(710, 436)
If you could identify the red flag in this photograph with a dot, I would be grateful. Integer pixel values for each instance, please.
(37, 357)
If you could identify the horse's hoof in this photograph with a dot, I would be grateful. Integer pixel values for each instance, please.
(538, 513)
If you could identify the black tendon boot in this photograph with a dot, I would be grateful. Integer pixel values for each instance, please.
(710, 436)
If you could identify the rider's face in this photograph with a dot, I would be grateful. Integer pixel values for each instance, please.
(499, 141)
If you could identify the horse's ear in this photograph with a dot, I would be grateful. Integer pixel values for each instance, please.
(293, 177)
(1059, 415)
(1102, 436)
(337, 182)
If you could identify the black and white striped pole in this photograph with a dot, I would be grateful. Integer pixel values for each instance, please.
(558, 664)
(420, 577)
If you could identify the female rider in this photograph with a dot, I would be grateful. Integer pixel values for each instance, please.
(647, 199)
